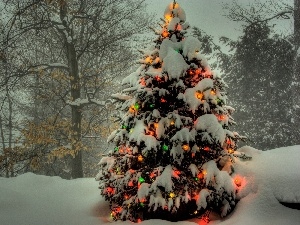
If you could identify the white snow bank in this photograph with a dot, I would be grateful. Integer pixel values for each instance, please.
(270, 176)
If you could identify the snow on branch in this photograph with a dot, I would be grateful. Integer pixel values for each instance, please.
(45, 66)
(121, 97)
(88, 101)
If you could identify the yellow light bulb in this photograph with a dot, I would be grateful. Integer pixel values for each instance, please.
(172, 195)
(168, 17)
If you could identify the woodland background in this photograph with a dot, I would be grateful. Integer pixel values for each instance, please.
(61, 60)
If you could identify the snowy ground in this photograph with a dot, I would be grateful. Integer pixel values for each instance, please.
(270, 177)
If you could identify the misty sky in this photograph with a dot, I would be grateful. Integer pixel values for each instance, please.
(208, 15)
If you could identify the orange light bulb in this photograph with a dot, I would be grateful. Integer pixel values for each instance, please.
(165, 34)
(185, 147)
(238, 181)
(230, 150)
(199, 95)
(140, 158)
(148, 60)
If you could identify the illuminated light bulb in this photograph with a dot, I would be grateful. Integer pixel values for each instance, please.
(191, 72)
(109, 190)
(196, 179)
(213, 92)
(193, 154)
(151, 133)
(177, 172)
(163, 100)
(142, 204)
(185, 147)
(172, 122)
(148, 60)
(116, 148)
(165, 148)
(126, 197)
(156, 125)
(152, 175)
(128, 150)
(238, 181)
(136, 106)
(165, 34)
(130, 183)
(157, 78)
(143, 82)
(132, 109)
(230, 150)
(168, 17)
(204, 172)
(199, 95)
(141, 180)
(206, 148)
(139, 220)
(195, 212)
(131, 130)
(172, 195)
(140, 158)
(200, 175)
(228, 142)
(124, 127)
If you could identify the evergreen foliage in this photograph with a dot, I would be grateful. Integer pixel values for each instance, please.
(260, 81)
(174, 151)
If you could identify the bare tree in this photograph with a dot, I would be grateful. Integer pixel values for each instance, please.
(82, 36)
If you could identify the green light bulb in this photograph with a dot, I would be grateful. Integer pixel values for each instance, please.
(165, 148)
(116, 148)
(136, 106)
(152, 106)
(141, 180)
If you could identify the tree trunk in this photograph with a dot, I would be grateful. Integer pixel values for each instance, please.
(10, 134)
(296, 74)
(77, 170)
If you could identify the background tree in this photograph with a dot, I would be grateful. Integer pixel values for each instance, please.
(76, 41)
(258, 74)
(295, 84)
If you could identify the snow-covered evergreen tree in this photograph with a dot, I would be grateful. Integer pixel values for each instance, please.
(174, 150)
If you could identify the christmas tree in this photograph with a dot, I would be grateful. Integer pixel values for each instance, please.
(174, 152)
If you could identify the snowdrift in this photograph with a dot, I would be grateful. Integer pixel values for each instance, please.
(269, 178)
